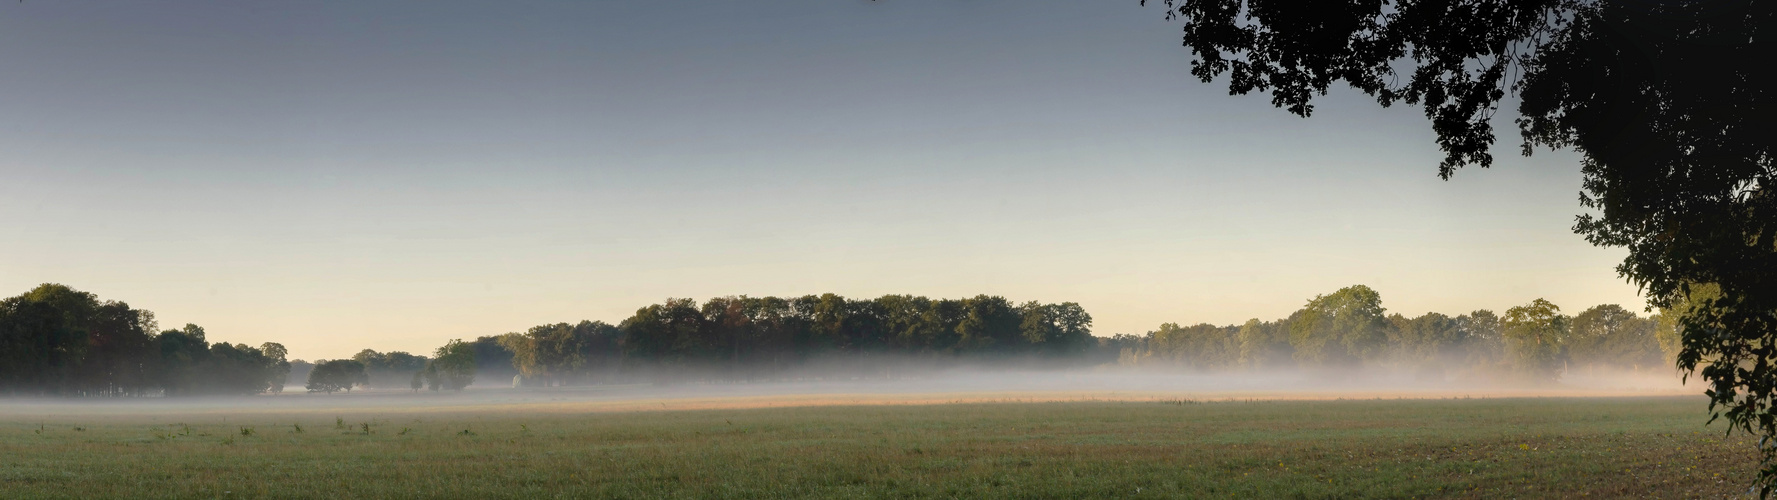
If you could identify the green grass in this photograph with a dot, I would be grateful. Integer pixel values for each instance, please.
(1482, 448)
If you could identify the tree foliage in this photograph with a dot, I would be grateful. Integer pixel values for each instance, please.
(766, 336)
(1203, 347)
(389, 369)
(1265, 344)
(1608, 335)
(337, 375)
(57, 340)
(492, 359)
(1535, 336)
(278, 374)
(1346, 330)
(558, 353)
(453, 366)
(1343, 328)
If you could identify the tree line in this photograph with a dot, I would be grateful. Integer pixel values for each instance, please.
(771, 338)
(55, 340)
(452, 367)
(1349, 328)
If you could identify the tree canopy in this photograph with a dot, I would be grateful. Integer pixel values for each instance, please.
(389, 369)
(454, 366)
(1538, 331)
(337, 375)
(1345, 327)
(821, 336)
(1346, 331)
(61, 341)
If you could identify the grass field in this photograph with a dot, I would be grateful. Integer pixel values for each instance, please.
(1482, 448)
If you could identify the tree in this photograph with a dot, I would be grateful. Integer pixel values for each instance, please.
(278, 373)
(1264, 344)
(1666, 333)
(745, 337)
(183, 354)
(300, 369)
(524, 354)
(1123, 349)
(1672, 123)
(665, 333)
(337, 375)
(1056, 329)
(988, 324)
(1200, 347)
(731, 318)
(560, 352)
(1430, 343)
(31, 336)
(1534, 336)
(940, 322)
(237, 369)
(1433, 337)
(387, 369)
(491, 358)
(453, 365)
(57, 340)
(433, 379)
(118, 358)
(1343, 328)
(1486, 339)
(1608, 335)
(61, 337)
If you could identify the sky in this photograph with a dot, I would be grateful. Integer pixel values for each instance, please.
(336, 176)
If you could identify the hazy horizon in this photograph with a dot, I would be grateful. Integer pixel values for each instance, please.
(344, 176)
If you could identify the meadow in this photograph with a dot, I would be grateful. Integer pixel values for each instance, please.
(375, 447)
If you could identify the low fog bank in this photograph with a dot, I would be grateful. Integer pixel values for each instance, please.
(955, 385)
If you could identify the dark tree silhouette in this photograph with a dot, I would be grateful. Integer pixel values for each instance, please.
(337, 375)
(58, 340)
(554, 354)
(453, 365)
(389, 369)
(1661, 98)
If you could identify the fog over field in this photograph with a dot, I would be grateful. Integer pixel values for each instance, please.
(957, 385)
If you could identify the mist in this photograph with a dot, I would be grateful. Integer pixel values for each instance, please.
(986, 383)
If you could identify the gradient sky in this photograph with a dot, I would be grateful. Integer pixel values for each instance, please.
(345, 175)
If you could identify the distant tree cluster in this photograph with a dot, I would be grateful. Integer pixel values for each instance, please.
(773, 337)
(55, 340)
(1349, 328)
(390, 369)
(452, 367)
(736, 338)
(562, 353)
(331, 376)
(492, 361)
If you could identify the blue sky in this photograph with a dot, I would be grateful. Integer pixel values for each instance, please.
(345, 175)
